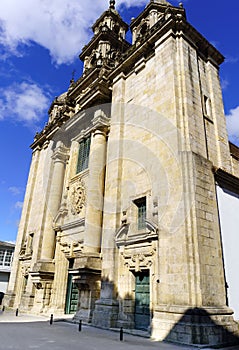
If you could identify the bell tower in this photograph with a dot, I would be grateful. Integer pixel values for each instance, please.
(108, 42)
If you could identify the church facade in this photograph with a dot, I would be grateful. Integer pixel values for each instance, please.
(121, 223)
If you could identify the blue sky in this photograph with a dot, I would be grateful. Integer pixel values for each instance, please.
(39, 48)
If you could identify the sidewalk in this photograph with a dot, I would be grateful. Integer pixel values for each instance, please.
(34, 331)
(10, 316)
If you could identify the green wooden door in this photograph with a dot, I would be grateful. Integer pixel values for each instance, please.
(71, 297)
(142, 301)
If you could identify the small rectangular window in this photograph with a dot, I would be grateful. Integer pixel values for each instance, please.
(83, 156)
(141, 207)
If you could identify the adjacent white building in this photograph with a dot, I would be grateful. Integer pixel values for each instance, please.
(6, 256)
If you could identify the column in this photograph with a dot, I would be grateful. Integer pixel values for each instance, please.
(59, 157)
(95, 190)
(107, 307)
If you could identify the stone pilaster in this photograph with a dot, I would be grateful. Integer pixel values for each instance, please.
(59, 157)
(107, 307)
(13, 295)
(95, 188)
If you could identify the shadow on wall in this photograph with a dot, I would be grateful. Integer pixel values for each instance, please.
(1, 297)
(197, 327)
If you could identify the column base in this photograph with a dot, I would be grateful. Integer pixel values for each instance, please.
(195, 326)
(9, 299)
(84, 315)
(27, 302)
(106, 313)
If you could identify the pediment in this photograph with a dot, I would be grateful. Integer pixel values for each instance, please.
(124, 237)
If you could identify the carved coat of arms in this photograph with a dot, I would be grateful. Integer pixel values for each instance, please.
(77, 197)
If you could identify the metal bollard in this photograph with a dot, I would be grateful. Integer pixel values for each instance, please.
(80, 322)
(3, 308)
(51, 319)
(121, 334)
(17, 312)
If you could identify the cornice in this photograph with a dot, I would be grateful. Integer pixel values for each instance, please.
(203, 46)
(156, 6)
(234, 150)
(73, 224)
(48, 131)
(99, 93)
(84, 81)
(227, 180)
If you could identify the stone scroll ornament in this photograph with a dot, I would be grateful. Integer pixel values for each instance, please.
(77, 197)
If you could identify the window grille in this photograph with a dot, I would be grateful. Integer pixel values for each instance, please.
(141, 205)
(83, 156)
(6, 257)
(2, 253)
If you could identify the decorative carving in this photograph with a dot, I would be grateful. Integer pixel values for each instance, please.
(140, 260)
(71, 249)
(27, 247)
(155, 209)
(25, 270)
(38, 285)
(23, 248)
(124, 217)
(123, 238)
(62, 212)
(77, 197)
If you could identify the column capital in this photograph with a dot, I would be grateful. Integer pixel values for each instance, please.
(60, 154)
(101, 121)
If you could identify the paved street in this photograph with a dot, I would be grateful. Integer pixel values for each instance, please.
(34, 332)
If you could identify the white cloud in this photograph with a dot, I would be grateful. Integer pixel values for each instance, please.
(231, 59)
(25, 102)
(15, 190)
(224, 83)
(233, 125)
(131, 3)
(61, 26)
(18, 205)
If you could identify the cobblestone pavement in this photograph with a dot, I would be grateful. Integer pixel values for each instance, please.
(24, 332)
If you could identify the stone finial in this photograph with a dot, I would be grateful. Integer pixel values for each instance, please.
(181, 4)
(112, 4)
